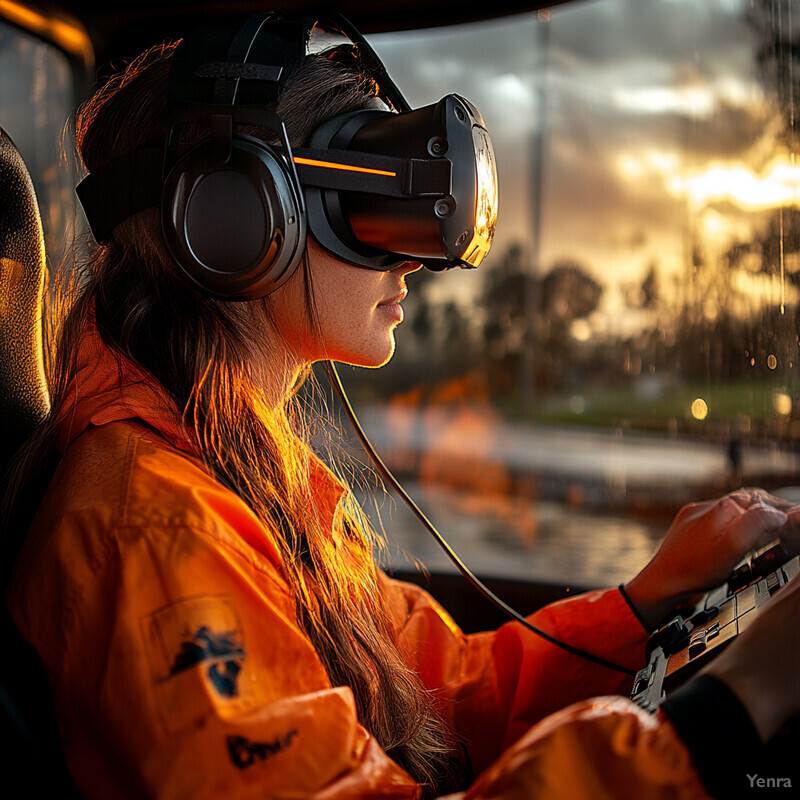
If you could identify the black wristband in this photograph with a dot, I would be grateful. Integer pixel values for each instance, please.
(725, 746)
(634, 610)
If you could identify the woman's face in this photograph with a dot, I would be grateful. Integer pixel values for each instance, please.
(358, 310)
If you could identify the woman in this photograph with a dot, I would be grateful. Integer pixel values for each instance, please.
(201, 589)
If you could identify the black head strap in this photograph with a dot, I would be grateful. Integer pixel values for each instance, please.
(247, 63)
(122, 187)
(239, 53)
(373, 66)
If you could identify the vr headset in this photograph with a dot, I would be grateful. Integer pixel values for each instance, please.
(374, 187)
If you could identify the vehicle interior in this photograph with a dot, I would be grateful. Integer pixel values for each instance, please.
(629, 346)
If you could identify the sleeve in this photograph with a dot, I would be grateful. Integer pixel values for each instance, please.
(498, 684)
(700, 744)
(604, 749)
(178, 671)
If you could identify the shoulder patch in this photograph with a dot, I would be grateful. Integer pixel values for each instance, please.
(196, 652)
(221, 651)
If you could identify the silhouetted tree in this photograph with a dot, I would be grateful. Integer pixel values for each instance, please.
(780, 238)
(568, 292)
(650, 288)
(777, 56)
(521, 311)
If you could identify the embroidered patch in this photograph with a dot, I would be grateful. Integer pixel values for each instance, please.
(196, 653)
(222, 652)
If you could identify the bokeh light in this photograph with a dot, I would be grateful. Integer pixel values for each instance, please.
(699, 408)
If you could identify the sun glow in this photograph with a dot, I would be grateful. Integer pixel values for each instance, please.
(778, 185)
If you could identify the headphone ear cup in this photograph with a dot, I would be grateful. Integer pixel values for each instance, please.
(236, 228)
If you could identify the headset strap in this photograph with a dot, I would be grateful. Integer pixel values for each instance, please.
(376, 67)
(134, 181)
(352, 171)
(122, 187)
(242, 64)
(226, 87)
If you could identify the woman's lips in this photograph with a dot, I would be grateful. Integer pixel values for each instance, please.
(393, 310)
(392, 307)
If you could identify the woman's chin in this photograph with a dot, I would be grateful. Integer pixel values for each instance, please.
(371, 358)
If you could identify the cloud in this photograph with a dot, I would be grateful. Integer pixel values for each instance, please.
(636, 30)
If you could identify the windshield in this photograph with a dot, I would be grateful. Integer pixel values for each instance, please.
(631, 341)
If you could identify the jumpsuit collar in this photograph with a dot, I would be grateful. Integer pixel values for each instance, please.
(108, 387)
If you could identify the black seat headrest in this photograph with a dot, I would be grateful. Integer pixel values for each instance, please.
(24, 398)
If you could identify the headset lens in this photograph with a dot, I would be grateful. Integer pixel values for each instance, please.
(486, 195)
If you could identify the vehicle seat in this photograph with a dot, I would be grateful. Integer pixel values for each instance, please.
(24, 399)
(31, 753)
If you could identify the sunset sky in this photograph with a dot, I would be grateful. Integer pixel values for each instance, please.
(657, 130)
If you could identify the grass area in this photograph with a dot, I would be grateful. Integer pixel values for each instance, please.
(752, 406)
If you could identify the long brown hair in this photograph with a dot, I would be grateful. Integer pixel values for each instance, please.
(202, 351)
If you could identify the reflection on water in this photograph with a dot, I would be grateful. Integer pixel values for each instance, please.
(515, 538)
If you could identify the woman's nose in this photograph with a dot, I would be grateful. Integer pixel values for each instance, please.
(407, 267)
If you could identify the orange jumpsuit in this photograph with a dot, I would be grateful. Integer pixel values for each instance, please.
(157, 602)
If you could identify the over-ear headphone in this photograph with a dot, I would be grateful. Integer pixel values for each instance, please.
(232, 209)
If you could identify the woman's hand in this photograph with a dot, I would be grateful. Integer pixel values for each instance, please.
(702, 546)
(790, 532)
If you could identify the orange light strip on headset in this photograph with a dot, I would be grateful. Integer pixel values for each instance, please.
(311, 162)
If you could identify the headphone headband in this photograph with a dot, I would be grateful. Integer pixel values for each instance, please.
(238, 64)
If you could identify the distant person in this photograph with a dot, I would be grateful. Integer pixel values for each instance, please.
(734, 454)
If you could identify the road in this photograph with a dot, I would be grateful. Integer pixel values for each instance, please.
(608, 467)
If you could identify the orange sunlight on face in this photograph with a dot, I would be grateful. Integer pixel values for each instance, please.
(358, 310)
